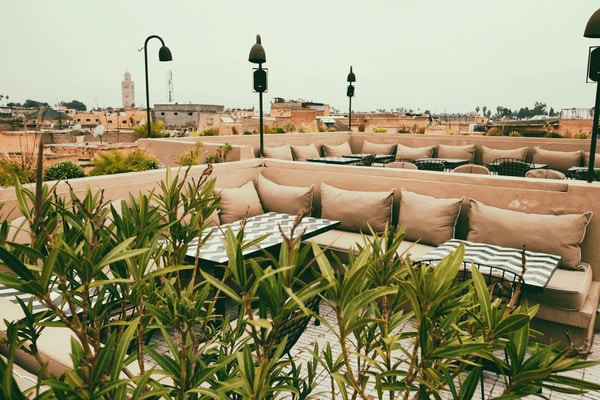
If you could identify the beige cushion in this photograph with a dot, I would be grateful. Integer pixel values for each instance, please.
(402, 164)
(413, 153)
(284, 199)
(281, 152)
(545, 173)
(357, 210)
(488, 155)
(238, 203)
(19, 231)
(560, 160)
(343, 241)
(378, 148)
(466, 152)
(337, 150)
(586, 159)
(566, 289)
(427, 219)
(302, 153)
(472, 169)
(554, 234)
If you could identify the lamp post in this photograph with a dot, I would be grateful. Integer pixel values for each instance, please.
(592, 30)
(257, 56)
(350, 93)
(164, 54)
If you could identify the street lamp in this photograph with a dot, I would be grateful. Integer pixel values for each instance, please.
(164, 54)
(592, 30)
(351, 78)
(257, 56)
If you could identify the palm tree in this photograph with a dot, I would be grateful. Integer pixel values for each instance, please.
(477, 110)
(484, 110)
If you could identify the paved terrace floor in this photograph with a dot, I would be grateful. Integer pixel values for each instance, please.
(493, 383)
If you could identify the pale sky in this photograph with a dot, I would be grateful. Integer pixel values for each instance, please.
(439, 55)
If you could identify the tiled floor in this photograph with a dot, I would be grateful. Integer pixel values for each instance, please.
(493, 384)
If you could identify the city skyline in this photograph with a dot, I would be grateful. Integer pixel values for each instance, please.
(416, 55)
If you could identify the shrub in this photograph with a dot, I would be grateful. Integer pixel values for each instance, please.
(191, 157)
(493, 131)
(403, 129)
(211, 132)
(361, 127)
(421, 131)
(514, 134)
(554, 135)
(157, 130)
(220, 155)
(274, 129)
(581, 135)
(196, 133)
(380, 130)
(115, 163)
(63, 170)
(449, 132)
(248, 133)
(11, 170)
(289, 128)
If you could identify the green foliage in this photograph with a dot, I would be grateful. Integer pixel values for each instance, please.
(274, 129)
(554, 135)
(380, 130)
(63, 170)
(248, 133)
(12, 170)
(191, 157)
(449, 132)
(361, 127)
(514, 134)
(220, 155)
(581, 135)
(157, 130)
(121, 275)
(75, 105)
(115, 162)
(210, 132)
(421, 131)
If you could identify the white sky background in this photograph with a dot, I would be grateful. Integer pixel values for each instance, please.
(439, 55)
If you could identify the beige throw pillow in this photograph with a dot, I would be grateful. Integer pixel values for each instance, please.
(284, 199)
(553, 234)
(413, 153)
(355, 210)
(488, 155)
(466, 152)
(337, 150)
(303, 153)
(378, 148)
(281, 152)
(238, 203)
(427, 219)
(560, 160)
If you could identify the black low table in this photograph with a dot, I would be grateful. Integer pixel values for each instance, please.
(379, 158)
(213, 250)
(335, 160)
(496, 260)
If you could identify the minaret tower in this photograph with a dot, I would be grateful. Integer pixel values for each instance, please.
(127, 91)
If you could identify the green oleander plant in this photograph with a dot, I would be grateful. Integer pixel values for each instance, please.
(191, 157)
(581, 135)
(514, 134)
(116, 162)
(121, 273)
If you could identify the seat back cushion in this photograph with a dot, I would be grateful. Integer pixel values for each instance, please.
(303, 153)
(560, 160)
(466, 152)
(545, 173)
(427, 219)
(337, 150)
(282, 152)
(488, 155)
(356, 210)
(413, 153)
(554, 234)
(378, 148)
(284, 199)
(238, 203)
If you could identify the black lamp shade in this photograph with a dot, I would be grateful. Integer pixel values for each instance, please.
(351, 76)
(350, 91)
(592, 29)
(257, 53)
(164, 54)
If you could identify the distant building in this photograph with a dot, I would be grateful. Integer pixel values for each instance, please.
(195, 117)
(301, 114)
(127, 91)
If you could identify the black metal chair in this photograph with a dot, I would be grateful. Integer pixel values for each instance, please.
(510, 167)
(293, 325)
(431, 165)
